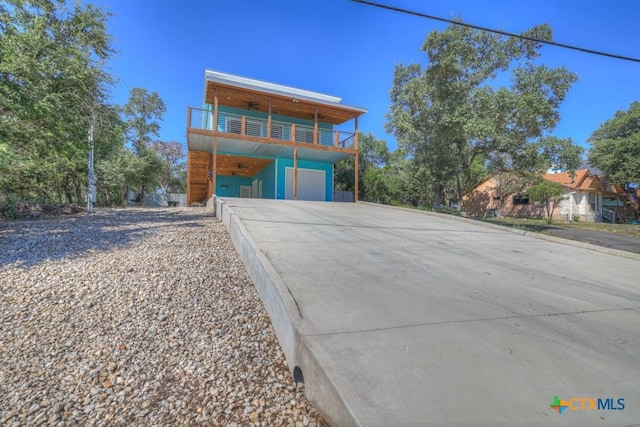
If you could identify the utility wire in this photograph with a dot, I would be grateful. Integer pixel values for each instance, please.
(504, 33)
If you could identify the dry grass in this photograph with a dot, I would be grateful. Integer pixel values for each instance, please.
(540, 225)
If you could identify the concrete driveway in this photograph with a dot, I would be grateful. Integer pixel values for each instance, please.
(397, 317)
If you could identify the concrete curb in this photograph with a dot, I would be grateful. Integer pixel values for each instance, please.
(287, 321)
(541, 236)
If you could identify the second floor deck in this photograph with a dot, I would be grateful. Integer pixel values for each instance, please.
(261, 130)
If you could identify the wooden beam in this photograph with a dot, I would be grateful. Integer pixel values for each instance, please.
(293, 132)
(215, 165)
(214, 125)
(356, 164)
(209, 177)
(189, 176)
(269, 120)
(315, 126)
(243, 125)
(295, 173)
(291, 143)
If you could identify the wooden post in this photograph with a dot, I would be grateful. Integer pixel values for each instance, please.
(315, 126)
(189, 166)
(243, 125)
(188, 119)
(215, 165)
(356, 164)
(210, 176)
(214, 125)
(336, 138)
(269, 121)
(295, 173)
(293, 131)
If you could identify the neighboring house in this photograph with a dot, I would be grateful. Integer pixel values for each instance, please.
(500, 196)
(586, 198)
(265, 140)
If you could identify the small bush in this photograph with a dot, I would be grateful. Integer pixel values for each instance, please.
(576, 218)
(9, 208)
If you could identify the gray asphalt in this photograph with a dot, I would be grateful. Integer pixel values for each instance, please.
(399, 317)
(607, 240)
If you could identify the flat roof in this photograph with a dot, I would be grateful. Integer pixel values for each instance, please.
(274, 88)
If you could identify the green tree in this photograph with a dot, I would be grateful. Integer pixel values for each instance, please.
(453, 112)
(173, 180)
(548, 193)
(616, 147)
(142, 115)
(53, 81)
(372, 152)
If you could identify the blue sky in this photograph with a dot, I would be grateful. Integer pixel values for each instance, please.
(349, 50)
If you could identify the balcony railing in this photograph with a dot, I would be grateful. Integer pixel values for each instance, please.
(258, 127)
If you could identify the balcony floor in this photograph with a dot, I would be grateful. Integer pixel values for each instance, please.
(201, 142)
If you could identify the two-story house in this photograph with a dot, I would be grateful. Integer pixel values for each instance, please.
(264, 140)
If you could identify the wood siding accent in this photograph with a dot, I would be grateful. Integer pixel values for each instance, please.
(284, 105)
(197, 180)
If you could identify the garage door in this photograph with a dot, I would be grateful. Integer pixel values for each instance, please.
(311, 184)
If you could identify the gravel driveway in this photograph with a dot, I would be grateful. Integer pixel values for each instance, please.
(136, 317)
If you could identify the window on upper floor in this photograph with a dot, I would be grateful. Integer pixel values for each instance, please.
(277, 131)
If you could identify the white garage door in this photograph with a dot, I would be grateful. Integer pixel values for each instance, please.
(311, 184)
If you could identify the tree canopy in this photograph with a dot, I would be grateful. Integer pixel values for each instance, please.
(454, 112)
(616, 147)
(54, 86)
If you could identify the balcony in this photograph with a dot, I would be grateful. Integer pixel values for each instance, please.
(249, 128)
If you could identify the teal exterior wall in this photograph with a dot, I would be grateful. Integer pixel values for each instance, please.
(264, 116)
(232, 184)
(268, 178)
(306, 164)
(273, 175)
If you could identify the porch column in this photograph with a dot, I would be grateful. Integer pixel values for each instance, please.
(189, 201)
(295, 173)
(269, 120)
(210, 176)
(315, 126)
(214, 125)
(215, 166)
(356, 164)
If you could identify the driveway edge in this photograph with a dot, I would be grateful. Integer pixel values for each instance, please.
(286, 318)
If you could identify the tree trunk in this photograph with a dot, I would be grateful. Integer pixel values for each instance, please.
(437, 197)
(125, 190)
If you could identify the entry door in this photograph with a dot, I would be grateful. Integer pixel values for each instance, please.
(245, 191)
(311, 184)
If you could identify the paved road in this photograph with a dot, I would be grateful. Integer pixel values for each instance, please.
(404, 318)
(607, 240)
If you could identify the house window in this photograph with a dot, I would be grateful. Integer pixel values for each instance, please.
(593, 202)
(234, 125)
(521, 200)
(254, 128)
(304, 135)
(277, 131)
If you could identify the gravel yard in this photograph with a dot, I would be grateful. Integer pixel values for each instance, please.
(136, 317)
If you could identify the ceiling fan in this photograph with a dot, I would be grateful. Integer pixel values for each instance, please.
(253, 105)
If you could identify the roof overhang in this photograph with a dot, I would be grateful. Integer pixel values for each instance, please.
(245, 93)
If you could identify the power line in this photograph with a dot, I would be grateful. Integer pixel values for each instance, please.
(504, 33)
